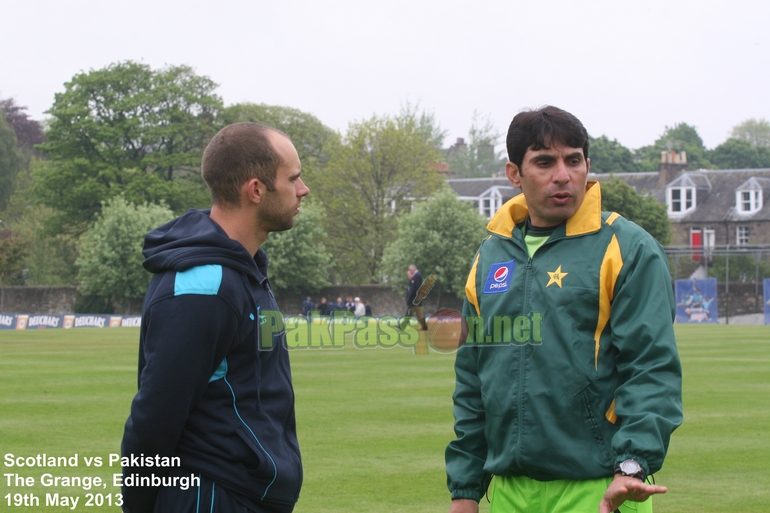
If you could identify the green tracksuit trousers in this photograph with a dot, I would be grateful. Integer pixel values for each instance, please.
(524, 495)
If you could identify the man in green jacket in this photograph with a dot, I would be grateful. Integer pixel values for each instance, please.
(569, 383)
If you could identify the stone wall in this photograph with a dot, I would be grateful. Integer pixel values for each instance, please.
(743, 298)
(382, 299)
(38, 300)
(61, 300)
(725, 232)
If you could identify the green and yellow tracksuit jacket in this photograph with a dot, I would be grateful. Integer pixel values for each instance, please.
(570, 366)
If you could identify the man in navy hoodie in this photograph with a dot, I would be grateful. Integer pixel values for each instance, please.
(215, 400)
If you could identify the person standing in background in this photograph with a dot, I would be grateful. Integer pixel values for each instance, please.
(307, 306)
(415, 281)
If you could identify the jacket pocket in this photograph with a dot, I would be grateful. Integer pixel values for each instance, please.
(594, 418)
(259, 463)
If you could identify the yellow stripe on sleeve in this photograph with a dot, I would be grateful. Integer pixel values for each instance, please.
(470, 286)
(608, 275)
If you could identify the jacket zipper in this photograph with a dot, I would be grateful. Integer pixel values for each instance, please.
(522, 348)
(525, 304)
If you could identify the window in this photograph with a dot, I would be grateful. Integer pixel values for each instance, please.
(749, 201)
(489, 206)
(681, 197)
(486, 207)
(742, 235)
(748, 196)
(490, 201)
(681, 200)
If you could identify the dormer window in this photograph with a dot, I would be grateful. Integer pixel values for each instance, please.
(681, 195)
(749, 201)
(681, 200)
(748, 197)
(490, 201)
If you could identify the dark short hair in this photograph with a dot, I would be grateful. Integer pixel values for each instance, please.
(538, 129)
(236, 154)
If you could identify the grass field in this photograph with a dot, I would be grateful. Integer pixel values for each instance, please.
(373, 423)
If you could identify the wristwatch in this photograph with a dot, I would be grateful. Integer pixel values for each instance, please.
(631, 468)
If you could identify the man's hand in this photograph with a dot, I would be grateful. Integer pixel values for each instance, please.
(464, 506)
(625, 488)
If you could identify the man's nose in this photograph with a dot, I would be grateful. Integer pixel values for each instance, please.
(303, 189)
(561, 173)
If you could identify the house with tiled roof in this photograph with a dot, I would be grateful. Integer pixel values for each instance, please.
(486, 194)
(722, 207)
(725, 207)
(705, 207)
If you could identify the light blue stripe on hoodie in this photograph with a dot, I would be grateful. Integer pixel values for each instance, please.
(204, 279)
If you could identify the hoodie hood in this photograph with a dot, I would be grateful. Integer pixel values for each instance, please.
(194, 239)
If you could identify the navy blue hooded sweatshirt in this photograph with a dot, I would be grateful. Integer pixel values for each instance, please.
(210, 392)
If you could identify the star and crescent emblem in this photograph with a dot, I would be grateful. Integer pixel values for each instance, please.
(556, 277)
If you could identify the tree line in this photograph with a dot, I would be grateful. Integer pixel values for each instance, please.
(747, 147)
(119, 154)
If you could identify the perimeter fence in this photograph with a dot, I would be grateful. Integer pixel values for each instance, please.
(739, 271)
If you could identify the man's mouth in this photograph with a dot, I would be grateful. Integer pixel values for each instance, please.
(561, 197)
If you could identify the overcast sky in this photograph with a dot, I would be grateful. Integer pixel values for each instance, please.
(627, 69)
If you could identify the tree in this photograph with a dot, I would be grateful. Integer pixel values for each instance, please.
(478, 158)
(609, 156)
(440, 235)
(754, 131)
(680, 137)
(426, 124)
(11, 161)
(13, 253)
(50, 257)
(127, 129)
(376, 171)
(644, 210)
(28, 131)
(742, 268)
(299, 260)
(307, 133)
(111, 257)
(740, 154)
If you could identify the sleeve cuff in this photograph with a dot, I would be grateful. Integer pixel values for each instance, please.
(627, 456)
(467, 494)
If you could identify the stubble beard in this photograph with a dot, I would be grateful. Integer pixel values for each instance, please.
(278, 221)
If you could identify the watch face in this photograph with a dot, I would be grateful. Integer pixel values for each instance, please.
(630, 467)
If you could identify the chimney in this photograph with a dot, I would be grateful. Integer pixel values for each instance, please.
(671, 164)
(486, 150)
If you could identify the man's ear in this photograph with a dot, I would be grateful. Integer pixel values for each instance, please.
(513, 173)
(254, 190)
